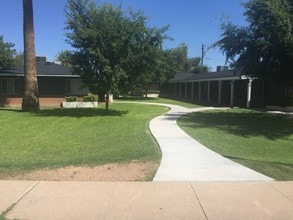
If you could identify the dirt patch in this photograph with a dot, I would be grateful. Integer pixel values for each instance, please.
(111, 172)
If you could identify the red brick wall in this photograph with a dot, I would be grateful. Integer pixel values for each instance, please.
(44, 101)
(10, 101)
(55, 102)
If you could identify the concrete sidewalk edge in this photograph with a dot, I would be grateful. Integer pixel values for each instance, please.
(147, 200)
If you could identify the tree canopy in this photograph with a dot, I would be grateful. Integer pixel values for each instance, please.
(112, 46)
(65, 58)
(9, 57)
(180, 62)
(115, 49)
(263, 48)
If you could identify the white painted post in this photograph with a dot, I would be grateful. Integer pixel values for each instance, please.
(249, 92)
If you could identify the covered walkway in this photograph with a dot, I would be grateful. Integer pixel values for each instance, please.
(229, 88)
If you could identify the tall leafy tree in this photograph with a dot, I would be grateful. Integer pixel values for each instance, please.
(112, 46)
(9, 57)
(148, 64)
(264, 48)
(65, 58)
(178, 58)
(180, 62)
(30, 101)
(196, 67)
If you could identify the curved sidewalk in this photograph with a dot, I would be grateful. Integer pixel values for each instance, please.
(185, 159)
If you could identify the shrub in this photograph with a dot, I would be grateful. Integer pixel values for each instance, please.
(90, 98)
(71, 98)
(153, 91)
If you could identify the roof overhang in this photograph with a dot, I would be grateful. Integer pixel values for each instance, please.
(21, 75)
(64, 76)
(215, 79)
(227, 75)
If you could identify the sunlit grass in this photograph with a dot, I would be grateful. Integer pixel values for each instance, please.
(261, 141)
(61, 137)
(161, 100)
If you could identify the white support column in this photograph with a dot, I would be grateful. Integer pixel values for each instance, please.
(199, 91)
(209, 91)
(219, 92)
(249, 92)
(232, 93)
(192, 90)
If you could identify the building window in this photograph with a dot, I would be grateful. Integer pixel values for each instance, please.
(10, 86)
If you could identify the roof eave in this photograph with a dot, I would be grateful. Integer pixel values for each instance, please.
(42, 75)
(214, 79)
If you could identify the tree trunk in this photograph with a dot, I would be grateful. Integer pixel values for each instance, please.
(30, 101)
(107, 100)
(146, 90)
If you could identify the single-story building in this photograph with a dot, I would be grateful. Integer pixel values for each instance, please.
(54, 81)
(227, 87)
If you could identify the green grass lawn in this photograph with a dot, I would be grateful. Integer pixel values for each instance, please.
(161, 100)
(261, 141)
(61, 137)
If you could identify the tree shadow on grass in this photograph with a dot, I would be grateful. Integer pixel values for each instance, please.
(71, 112)
(10, 109)
(79, 112)
(242, 123)
(74, 112)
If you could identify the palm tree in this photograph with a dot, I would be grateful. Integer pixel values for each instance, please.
(30, 101)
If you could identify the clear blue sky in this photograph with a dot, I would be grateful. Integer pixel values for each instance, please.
(194, 22)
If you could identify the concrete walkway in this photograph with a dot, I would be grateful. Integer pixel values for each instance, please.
(149, 200)
(185, 159)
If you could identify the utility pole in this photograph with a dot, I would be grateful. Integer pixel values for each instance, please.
(202, 54)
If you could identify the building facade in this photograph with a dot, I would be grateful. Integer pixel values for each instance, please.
(227, 88)
(54, 81)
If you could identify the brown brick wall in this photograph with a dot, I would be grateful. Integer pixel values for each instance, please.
(44, 101)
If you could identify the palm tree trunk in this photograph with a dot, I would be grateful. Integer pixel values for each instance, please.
(30, 101)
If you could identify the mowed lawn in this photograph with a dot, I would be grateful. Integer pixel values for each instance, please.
(161, 100)
(61, 137)
(261, 141)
